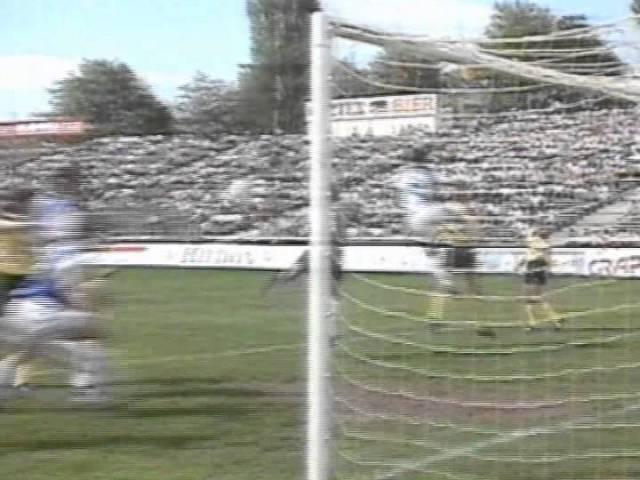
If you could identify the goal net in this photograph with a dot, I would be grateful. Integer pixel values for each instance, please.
(487, 378)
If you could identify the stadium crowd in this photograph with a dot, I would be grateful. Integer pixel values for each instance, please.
(545, 169)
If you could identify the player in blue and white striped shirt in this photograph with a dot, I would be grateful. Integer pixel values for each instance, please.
(51, 305)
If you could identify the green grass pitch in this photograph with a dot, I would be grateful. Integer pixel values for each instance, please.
(209, 384)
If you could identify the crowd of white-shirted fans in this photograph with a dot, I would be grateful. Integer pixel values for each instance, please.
(543, 169)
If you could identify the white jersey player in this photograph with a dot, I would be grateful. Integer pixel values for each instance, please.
(425, 216)
(50, 307)
(417, 188)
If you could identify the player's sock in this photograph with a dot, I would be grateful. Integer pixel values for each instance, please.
(552, 315)
(89, 361)
(436, 307)
(23, 375)
(8, 368)
(531, 317)
(473, 286)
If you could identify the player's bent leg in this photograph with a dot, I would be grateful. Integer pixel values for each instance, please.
(8, 369)
(444, 269)
(77, 334)
(532, 298)
(90, 373)
(23, 375)
(80, 334)
(532, 321)
(547, 311)
(15, 374)
(444, 285)
(69, 325)
(436, 307)
(16, 327)
(467, 267)
(48, 335)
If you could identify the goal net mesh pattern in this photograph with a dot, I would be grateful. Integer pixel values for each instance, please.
(529, 134)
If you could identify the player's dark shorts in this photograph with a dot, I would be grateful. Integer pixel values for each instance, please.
(462, 258)
(536, 273)
(336, 268)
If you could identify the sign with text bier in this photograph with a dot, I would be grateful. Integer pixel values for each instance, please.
(382, 115)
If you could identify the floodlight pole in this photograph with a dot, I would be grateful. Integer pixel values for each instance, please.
(319, 398)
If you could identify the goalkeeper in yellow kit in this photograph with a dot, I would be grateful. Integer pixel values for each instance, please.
(537, 263)
(16, 260)
(456, 234)
(15, 250)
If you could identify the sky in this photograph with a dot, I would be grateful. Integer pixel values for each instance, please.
(167, 41)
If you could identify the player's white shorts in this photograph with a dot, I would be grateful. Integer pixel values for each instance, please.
(422, 222)
(33, 321)
(25, 316)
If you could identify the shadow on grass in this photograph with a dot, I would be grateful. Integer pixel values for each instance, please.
(67, 443)
(211, 410)
(131, 410)
(212, 401)
(218, 392)
(170, 381)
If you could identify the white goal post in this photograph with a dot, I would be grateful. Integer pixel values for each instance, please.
(476, 392)
(318, 349)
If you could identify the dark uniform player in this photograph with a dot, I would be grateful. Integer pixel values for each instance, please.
(302, 265)
(537, 262)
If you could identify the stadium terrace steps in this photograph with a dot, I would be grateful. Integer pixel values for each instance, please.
(619, 217)
(542, 169)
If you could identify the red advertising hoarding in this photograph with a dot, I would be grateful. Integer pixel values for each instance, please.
(42, 128)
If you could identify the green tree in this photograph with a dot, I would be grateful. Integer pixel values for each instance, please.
(275, 86)
(519, 18)
(635, 7)
(210, 107)
(604, 61)
(109, 95)
(344, 84)
(514, 19)
(511, 19)
(396, 66)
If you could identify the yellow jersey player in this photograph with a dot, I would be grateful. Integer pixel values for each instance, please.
(537, 263)
(456, 233)
(16, 262)
(16, 258)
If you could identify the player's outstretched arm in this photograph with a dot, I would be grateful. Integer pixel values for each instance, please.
(299, 268)
(9, 224)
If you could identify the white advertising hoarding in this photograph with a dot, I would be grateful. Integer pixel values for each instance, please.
(606, 262)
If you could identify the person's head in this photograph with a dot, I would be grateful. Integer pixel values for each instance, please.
(419, 155)
(19, 201)
(335, 193)
(540, 232)
(66, 180)
(417, 180)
